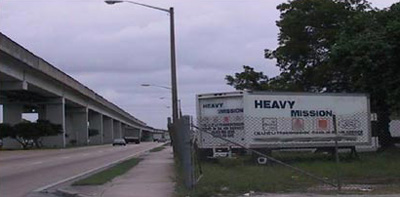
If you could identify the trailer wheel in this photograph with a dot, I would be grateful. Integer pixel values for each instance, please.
(259, 159)
(262, 160)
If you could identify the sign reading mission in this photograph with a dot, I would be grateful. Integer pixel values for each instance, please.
(287, 104)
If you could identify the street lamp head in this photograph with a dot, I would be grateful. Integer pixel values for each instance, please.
(110, 2)
(145, 84)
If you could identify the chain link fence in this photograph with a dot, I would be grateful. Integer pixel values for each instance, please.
(269, 140)
(185, 149)
(394, 128)
(297, 144)
(283, 132)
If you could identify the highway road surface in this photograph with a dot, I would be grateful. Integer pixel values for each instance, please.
(24, 171)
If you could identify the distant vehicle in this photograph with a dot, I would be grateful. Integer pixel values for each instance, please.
(162, 140)
(132, 135)
(157, 136)
(120, 142)
(1, 143)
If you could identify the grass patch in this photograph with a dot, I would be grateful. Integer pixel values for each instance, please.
(238, 176)
(109, 173)
(156, 149)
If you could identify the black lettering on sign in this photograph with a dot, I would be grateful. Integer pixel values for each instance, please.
(311, 113)
(273, 104)
(230, 111)
(213, 105)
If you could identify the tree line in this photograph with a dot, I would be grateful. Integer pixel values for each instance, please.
(336, 46)
(30, 133)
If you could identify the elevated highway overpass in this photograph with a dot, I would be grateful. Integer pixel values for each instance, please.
(29, 84)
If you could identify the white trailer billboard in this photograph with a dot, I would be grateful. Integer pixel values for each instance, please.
(305, 119)
(221, 115)
(283, 120)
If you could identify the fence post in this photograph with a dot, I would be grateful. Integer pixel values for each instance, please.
(172, 135)
(186, 151)
(339, 184)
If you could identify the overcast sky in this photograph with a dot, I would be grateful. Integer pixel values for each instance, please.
(112, 49)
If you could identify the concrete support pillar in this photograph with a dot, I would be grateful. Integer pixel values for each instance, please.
(108, 130)
(120, 130)
(41, 110)
(55, 112)
(77, 125)
(145, 135)
(70, 135)
(117, 129)
(96, 122)
(81, 126)
(141, 134)
(12, 114)
(123, 126)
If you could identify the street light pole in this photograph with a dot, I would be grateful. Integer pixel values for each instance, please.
(174, 86)
(173, 68)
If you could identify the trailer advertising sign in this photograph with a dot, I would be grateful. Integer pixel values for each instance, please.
(301, 120)
(223, 117)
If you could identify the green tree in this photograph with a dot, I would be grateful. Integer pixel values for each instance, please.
(26, 132)
(23, 132)
(336, 46)
(45, 128)
(365, 59)
(5, 130)
(248, 79)
(308, 31)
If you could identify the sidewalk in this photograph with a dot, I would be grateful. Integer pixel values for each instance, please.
(153, 176)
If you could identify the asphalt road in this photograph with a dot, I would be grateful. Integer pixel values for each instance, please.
(24, 171)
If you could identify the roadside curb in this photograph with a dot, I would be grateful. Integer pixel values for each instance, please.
(68, 193)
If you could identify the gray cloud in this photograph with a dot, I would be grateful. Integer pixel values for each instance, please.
(114, 49)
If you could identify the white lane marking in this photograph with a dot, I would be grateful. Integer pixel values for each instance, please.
(92, 170)
(85, 154)
(66, 157)
(36, 163)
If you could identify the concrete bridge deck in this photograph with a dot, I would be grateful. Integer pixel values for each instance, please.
(29, 84)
